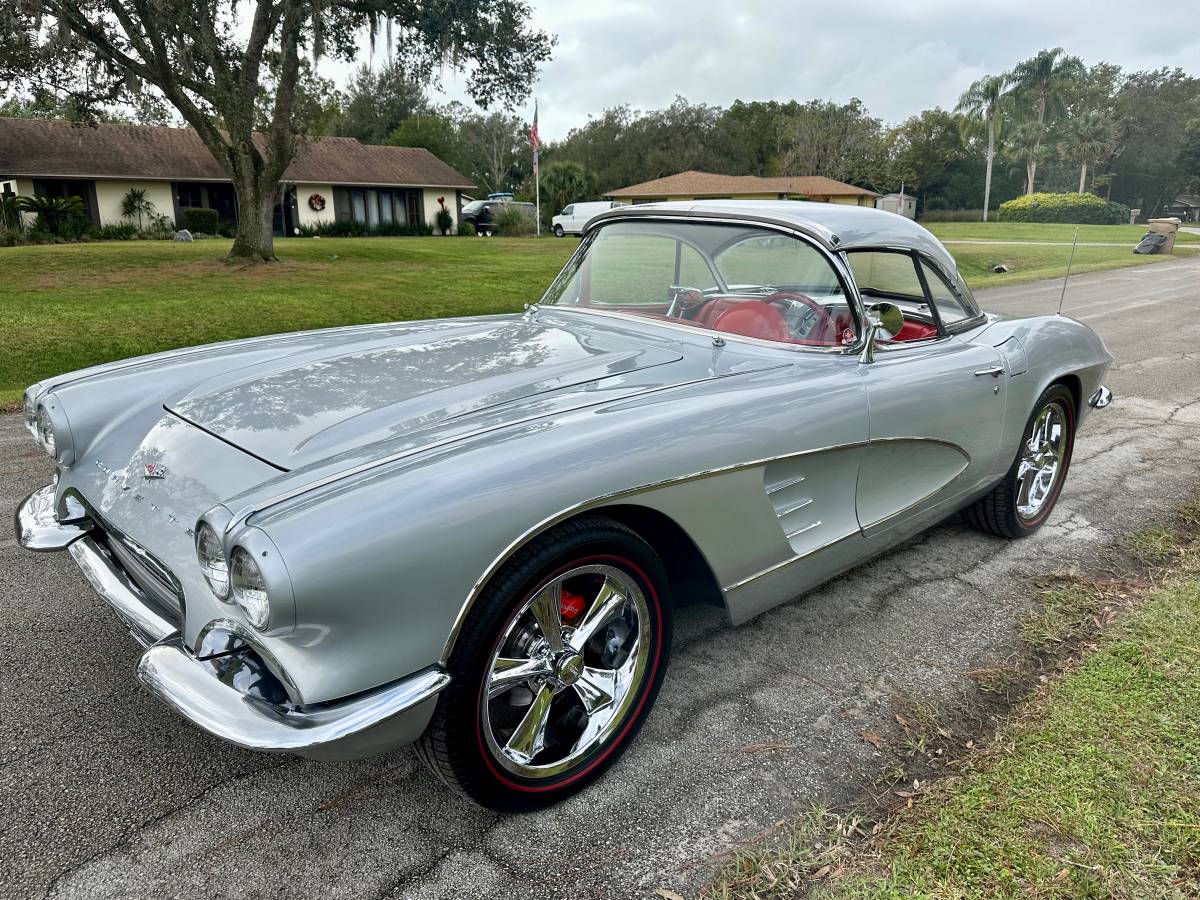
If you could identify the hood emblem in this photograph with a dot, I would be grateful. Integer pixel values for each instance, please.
(155, 470)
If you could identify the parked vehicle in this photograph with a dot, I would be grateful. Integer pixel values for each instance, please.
(473, 533)
(574, 218)
(484, 214)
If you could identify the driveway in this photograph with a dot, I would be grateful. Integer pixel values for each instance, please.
(105, 793)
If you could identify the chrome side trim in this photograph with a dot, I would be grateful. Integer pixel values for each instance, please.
(787, 562)
(1102, 398)
(38, 528)
(147, 626)
(800, 531)
(603, 499)
(187, 685)
(784, 485)
(795, 507)
(245, 513)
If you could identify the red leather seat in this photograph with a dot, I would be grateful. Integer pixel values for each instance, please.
(749, 318)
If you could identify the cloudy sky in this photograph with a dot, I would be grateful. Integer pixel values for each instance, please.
(898, 56)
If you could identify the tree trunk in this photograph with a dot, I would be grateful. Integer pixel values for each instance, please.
(1030, 172)
(987, 178)
(256, 195)
(1083, 176)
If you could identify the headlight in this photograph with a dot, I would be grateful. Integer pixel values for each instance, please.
(249, 588)
(45, 431)
(212, 560)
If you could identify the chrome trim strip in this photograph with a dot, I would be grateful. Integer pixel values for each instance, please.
(550, 521)
(800, 531)
(38, 528)
(794, 508)
(787, 562)
(254, 509)
(177, 678)
(784, 485)
(147, 626)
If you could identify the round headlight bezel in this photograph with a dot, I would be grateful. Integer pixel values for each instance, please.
(30, 407)
(44, 429)
(213, 564)
(249, 588)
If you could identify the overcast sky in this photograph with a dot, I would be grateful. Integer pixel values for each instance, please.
(898, 56)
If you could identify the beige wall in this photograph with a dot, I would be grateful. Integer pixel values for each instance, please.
(22, 187)
(110, 193)
(432, 207)
(306, 214)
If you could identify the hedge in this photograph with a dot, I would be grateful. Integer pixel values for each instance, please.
(199, 219)
(1073, 209)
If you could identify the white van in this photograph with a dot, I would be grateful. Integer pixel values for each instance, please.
(572, 219)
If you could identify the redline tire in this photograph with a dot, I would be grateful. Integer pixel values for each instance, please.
(458, 744)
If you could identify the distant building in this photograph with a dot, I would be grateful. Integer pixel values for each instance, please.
(1186, 207)
(331, 178)
(694, 185)
(904, 204)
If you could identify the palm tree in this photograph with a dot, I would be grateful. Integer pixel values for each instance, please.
(55, 215)
(136, 204)
(1090, 137)
(984, 101)
(1040, 78)
(1023, 145)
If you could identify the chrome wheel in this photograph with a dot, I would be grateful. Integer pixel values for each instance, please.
(1041, 461)
(568, 667)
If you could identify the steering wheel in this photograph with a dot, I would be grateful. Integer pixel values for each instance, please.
(824, 326)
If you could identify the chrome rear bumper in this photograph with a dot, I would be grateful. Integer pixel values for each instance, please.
(370, 722)
(1101, 398)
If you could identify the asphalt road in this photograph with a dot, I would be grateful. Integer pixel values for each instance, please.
(105, 793)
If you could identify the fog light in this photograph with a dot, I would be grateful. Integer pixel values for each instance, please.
(249, 588)
(212, 560)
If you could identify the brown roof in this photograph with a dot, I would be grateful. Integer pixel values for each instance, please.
(702, 184)
(53, 148)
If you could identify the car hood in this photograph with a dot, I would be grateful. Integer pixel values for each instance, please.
(369, 389)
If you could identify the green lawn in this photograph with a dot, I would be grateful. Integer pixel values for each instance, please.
(67, 306)
(1031, 231)
(1095, 792)
(73, 305)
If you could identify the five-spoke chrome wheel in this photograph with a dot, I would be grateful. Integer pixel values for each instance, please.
(1041, 461)
(568, 665)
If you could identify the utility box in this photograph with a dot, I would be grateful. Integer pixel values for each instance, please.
(1168, 228)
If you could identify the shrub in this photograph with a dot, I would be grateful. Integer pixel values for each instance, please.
(1074, 209)
(199, 219)
(125, 231)
(466, 229)
(444, 220)
(57, 217)
(952, 215)
(136, 205)
(512, 221)
(348, 228)
(10, 213)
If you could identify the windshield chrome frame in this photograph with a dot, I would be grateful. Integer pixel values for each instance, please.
(834, 259)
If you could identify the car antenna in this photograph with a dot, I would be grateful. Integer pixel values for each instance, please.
(1070, 261)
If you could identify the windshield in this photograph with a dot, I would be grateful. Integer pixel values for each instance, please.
(473, 206)
(732, 279)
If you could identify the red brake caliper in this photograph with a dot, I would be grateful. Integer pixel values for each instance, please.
(571, 606)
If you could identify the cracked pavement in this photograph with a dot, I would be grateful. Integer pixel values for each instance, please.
(107, 794)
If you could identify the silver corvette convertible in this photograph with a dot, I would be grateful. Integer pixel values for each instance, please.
(471, 533)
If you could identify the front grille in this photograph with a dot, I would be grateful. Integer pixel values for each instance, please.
(154, 580)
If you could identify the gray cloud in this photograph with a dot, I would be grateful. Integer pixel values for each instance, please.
(899, 57)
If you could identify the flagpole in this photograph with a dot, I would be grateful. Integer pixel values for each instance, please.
(537, 171)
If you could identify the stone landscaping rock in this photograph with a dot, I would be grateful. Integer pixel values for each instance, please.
(183, 236)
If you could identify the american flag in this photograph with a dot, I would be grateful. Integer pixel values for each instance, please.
(533, 138)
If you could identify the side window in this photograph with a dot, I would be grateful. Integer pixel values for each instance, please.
(568, 210)
(949, 305)
(886, 275)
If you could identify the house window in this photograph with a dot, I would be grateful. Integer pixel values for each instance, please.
(385, 207)
(189, 195)
(358, 202)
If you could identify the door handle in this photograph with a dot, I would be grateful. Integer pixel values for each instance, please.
(994, 371)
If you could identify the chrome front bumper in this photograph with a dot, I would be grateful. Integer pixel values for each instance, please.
(368, 723)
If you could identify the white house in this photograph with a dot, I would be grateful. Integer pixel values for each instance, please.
(331, 178)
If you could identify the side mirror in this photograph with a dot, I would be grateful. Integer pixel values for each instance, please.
(884, 321)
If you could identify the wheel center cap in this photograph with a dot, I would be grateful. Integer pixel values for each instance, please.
(568, 668)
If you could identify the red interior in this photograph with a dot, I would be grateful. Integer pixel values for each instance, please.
(915, 331)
